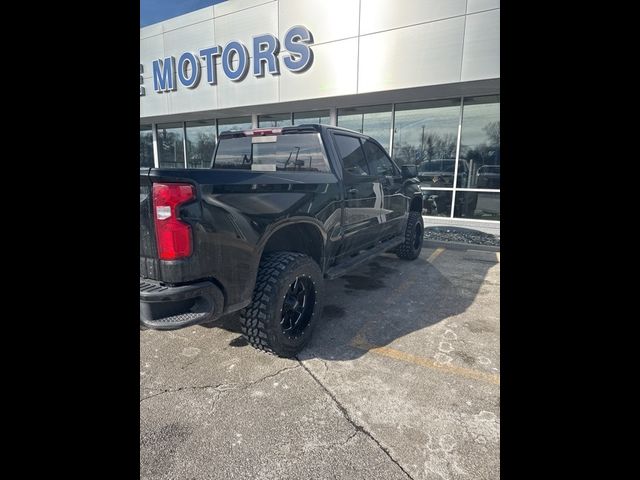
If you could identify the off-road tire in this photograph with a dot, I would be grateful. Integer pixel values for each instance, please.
(261, 320)
(413, 239)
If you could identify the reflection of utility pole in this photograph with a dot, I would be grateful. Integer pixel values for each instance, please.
(422, 145)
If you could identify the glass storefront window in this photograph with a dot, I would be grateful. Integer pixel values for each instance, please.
(146, 146)
(437, 203)
(201, 142)
(319, 116)
(170, 145)
(275, 120)
(426, 131)
(237, 123)
(480, 141)
(374, 121)
(478, 205)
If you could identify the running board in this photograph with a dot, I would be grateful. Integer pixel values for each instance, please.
(362, 257)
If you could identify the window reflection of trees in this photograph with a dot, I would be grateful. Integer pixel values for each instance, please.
(482, 155)
(432, 146)
(146, 147)
(170, 147)
(200, 151)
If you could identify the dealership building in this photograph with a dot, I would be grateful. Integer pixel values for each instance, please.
(420, 76)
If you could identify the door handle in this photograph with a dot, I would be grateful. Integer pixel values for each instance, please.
(352, 191)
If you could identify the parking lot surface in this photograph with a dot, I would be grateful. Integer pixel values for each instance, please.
(401, 380)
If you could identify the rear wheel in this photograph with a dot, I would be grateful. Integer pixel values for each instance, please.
(413, 238)
(286, 303)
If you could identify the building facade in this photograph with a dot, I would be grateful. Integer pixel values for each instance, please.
(421, 76)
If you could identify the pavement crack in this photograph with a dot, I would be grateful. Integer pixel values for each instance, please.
(355, 432)
(282, 370)
(220, 388)
(357, 426)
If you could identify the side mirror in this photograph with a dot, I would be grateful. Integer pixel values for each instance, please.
(409, 171)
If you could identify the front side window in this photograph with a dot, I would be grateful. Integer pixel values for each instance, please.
(378, 162)
(289, 152)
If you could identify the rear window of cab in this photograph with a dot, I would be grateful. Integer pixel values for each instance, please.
(296, 152)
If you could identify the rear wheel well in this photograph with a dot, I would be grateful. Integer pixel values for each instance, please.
(302, 238)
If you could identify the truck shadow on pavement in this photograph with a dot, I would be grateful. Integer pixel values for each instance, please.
(384, 300)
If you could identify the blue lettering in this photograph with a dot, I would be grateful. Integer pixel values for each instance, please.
(300, 55)
(266, 48)
(268, 55)
(208, 54)
(164, 74)
(189, 58)
(227, 58)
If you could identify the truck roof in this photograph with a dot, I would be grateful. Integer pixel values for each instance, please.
(307, 127)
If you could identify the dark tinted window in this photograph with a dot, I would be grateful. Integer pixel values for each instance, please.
(353, 159)
(295, 152)
(378, 162)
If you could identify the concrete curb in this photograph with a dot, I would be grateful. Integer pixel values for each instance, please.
(459, 246)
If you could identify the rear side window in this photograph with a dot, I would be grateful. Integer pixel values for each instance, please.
(290, 152)
(353, 160)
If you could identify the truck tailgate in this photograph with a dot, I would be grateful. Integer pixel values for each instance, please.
(148, 252)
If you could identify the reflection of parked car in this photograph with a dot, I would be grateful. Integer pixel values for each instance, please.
(488, 176)
(488, 204)
(440, 173)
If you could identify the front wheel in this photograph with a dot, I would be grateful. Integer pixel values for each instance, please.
(413, 238)
(286, 304)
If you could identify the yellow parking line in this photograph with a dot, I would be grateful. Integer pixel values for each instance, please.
(361, 343)
(435, 254)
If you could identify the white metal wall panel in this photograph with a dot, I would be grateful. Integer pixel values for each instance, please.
(481, 56)
(480, 5)
(427, 54)
(244, 25)
(334, 72)
(151, 30)
(231, 6)
(188, 19)
(250, 91)
(328, 20)
(379, 15)
(191, 38)
(151, 48)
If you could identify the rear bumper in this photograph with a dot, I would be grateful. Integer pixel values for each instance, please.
(169, 308)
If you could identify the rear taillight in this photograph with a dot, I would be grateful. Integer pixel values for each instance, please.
(172, 235)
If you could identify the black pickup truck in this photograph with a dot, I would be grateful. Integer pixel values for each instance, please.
(279, 211)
